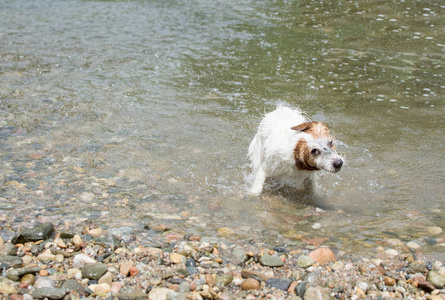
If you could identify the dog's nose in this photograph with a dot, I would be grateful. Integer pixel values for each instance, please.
(337, 163)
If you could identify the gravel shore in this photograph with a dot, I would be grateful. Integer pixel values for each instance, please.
(44, 263)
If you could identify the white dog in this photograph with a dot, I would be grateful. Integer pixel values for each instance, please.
(290, 147)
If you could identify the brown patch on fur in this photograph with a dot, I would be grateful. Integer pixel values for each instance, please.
(316, 129)
(303, 158)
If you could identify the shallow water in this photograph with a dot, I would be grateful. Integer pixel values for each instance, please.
(130, 112)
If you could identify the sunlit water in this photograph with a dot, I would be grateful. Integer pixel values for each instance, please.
(131, 112)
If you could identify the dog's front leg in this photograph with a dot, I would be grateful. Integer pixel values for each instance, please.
(260, 178)
(310, 184)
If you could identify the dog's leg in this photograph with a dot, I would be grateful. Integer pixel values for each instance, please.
(310, 184)
(260, 178)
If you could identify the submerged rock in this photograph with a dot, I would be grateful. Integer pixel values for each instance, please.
(38, 233)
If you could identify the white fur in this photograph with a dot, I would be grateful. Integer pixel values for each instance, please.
(271, 152)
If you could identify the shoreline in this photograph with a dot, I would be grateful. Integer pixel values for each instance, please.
(41, 263)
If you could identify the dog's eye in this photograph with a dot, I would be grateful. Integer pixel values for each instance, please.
(331, 144)
(315, 151)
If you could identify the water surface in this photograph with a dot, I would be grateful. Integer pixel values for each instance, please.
(131, 112)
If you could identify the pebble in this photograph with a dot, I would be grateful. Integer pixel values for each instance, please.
(77, 240)
(47, 292)
(389, 281)
(250, 284)
(210, 279)
(101, 288)
(40, 232)
(94, 271)
(59, 258)
(43, 282)
(317, 293)
(253, 274)
(322, 255)
(159, 293)
(224, 279)
(27, 280)
(413, 245)
(304, 261)
(7, 286)
(71, 285)
(133, 271)
(124, 267)
(434, 230)
(46, 256)
(279, 283)
(316, 226)
(392, 252)
(81, 260)
(225, 231)
(8, 249)
(436, 279)
(16, 274)
(107, 278)
(271, 261)
(177, 258)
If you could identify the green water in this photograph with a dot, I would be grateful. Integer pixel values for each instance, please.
(124, 111)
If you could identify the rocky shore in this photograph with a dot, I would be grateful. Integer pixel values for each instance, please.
(44, 263)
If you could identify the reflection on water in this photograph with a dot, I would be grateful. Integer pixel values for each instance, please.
(130, 112)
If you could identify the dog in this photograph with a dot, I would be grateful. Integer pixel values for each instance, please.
(289, 147)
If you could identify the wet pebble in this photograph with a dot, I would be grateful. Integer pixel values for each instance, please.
(322, 255)
(304, 261)
(38, 233)
(271, 261)
(434, 230)
(44, 282)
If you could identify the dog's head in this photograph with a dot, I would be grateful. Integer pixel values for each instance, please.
(316, 150)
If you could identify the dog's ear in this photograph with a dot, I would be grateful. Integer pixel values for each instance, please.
(303, 127)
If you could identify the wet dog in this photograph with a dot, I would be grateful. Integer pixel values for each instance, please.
(290, 147)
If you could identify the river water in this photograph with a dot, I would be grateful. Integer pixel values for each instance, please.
(128, 113)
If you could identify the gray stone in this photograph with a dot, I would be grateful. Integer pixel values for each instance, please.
(271, 261)
(224, 279)
(300, 290)
(16, 274)
(71, 285)
(51, 293)
(279, 283)
(94, 271)
(38, 233)
(305, 261)
(436, 279)
(8, 249)
(11, 261)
